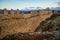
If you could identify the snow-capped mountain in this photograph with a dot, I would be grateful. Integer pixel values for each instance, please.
(31, 8)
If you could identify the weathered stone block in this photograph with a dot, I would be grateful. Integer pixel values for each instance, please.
(5, 11)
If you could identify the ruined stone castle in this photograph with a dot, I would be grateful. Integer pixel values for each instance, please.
(14, 23)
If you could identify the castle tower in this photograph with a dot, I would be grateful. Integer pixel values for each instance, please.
(5, 11)
(12, 12)
(17, 11)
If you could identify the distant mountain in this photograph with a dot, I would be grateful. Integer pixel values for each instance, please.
(1, 11)
(31, 8)
(55, 8)
(28, 10)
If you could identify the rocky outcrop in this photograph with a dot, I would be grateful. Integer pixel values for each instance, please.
(30, 36)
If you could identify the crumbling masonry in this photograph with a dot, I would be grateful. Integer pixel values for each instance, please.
(14, 23)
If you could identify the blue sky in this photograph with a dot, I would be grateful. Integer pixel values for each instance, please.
(20, 4)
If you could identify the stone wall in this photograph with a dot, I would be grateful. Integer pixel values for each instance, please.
(18, 14)
(15, 23)
(22, 15)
